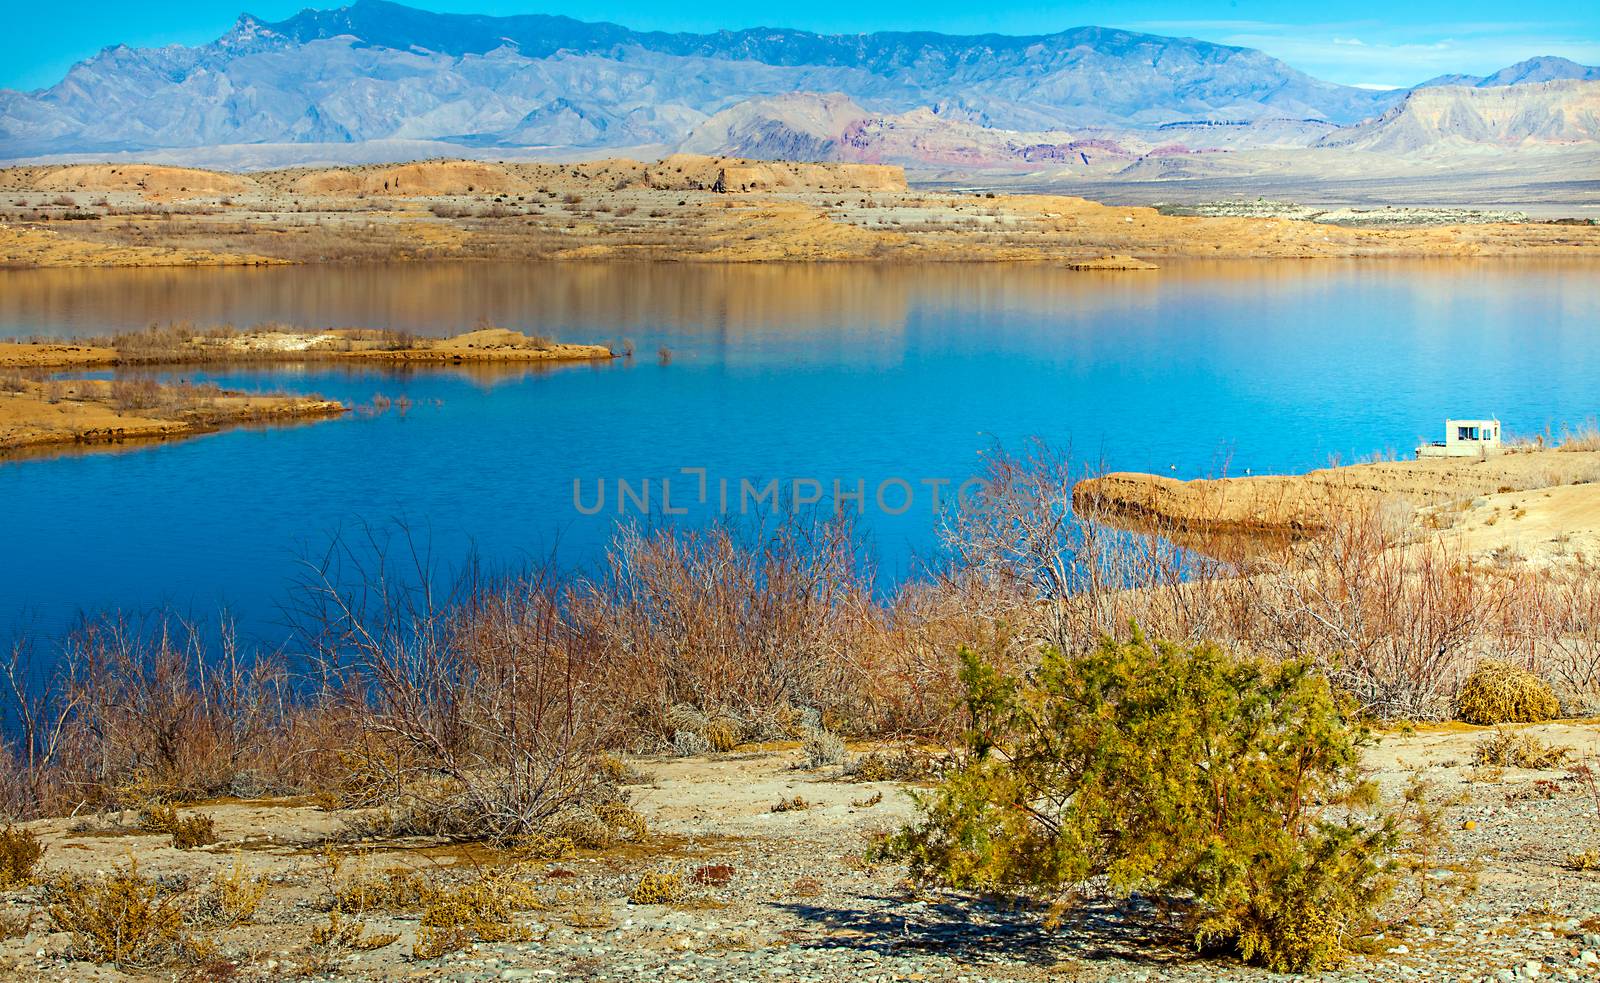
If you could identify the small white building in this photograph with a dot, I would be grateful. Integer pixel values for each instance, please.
(1465, 438)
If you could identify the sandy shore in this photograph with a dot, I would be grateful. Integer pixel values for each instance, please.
(1538, 504)
(90, 215)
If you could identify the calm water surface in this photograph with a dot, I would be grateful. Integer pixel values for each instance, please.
(826, 372)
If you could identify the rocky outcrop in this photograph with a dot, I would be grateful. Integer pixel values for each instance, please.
(1442, 118)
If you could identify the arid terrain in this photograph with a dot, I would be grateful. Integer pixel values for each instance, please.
(682, 208)
(59, 415)
(791, 894)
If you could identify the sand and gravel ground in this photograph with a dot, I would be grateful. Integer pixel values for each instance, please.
(802, 904)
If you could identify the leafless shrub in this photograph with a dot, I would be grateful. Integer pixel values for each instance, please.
(124, 714)
(474, 720)
(750, 623)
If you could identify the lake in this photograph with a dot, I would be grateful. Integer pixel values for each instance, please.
(887, 379)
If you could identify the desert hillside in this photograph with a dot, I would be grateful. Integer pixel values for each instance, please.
(683, 207)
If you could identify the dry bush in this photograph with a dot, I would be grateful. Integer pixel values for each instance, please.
(482, 910)
(906, 764)
(12, 382)
(657, 887)
(478, 720)
(1507, 748)
(737, 625)
(135, 394)
(822, 748)
(123, 714)
(1498, 693)
(187, 832)
(20, 851)
(326, 945)
(232, 898)
(123, 918)
(1391, 626)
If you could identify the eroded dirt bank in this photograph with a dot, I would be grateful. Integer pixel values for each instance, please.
(1539, 503)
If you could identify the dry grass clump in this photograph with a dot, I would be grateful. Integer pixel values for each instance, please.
(20, 851)
(1498, 693)
(822, 748)
(232, 898)
(658, 887)
(1507, 748)
(16, 926)
(795, 804)
(1583, 860)
(452, 916)
(906, 764)
(392, 890)
(187, 832)
(482, 910)
(123, 919)
(1583, 438)
(327, 944)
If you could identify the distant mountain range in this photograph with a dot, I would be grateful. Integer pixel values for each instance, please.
(1544, 69)
(378, 74)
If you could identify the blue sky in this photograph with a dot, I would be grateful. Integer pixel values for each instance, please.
(1358, 42)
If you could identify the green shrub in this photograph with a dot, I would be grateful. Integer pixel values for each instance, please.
(1500, 693)
(1189, 773)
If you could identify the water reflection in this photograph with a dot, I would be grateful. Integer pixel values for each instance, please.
(820, 371)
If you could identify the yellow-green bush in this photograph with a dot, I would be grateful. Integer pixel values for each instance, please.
(123, 918)
(1500, 693)
(482, 910)
(187, 832)
(1167, 771)
(20, 851)
(657, 888)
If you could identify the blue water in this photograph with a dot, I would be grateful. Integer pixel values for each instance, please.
(823, 372)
